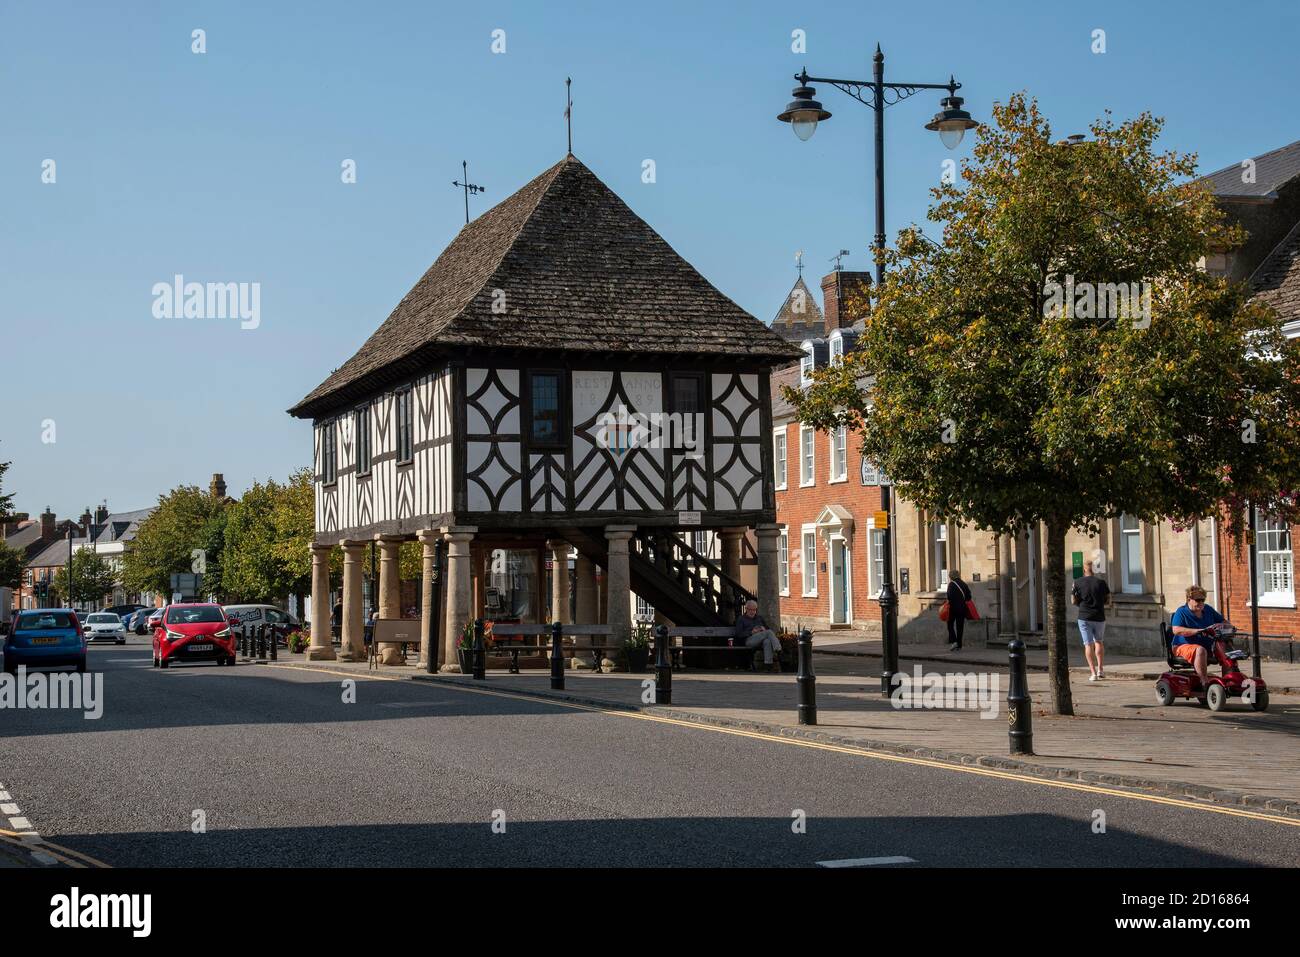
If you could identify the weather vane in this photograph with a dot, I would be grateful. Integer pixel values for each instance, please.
(568, 109)
(468, 187)
(798, 261)
(837, 257)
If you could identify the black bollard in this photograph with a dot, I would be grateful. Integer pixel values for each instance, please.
(435, 605)
(557, 656)
(480, 653)
(663, 667)
(1020, 716)
(807, 680)
(261, 642)
(274, 642)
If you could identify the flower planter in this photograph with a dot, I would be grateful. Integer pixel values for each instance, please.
(466, 656)
(637, 660)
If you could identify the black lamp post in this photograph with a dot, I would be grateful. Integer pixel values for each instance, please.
(803, 114)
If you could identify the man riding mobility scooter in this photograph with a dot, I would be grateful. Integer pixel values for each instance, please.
(1182, 681)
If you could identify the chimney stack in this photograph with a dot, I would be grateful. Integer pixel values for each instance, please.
(847, 298)
(101, 516)
(217, 489)
(47, 523)
(85, 521)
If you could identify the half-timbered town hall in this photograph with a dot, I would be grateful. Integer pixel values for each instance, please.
(560, 378)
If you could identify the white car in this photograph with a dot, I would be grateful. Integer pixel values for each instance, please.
(105, 626)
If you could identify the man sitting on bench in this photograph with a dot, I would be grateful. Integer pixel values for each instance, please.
(753, 632)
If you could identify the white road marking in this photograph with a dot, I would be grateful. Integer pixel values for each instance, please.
(20, 824)
(4, 796)
(9, 809)
(866, 861)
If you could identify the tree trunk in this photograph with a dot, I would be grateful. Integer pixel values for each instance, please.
(1058, 660)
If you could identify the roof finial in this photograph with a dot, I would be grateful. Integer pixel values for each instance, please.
(798, 261)
(568, 110)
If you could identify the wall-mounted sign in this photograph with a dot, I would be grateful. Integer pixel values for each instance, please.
(1076, 564)
(905, 581)
(688, 518)
(882, 519)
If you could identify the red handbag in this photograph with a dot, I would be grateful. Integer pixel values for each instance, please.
(943, 612)
(971, 611)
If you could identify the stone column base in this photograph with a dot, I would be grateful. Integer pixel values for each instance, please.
(452, 668)
(320, 653)
(390, 655)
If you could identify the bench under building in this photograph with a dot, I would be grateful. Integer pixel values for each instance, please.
(479, 413)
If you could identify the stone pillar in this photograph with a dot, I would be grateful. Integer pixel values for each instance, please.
(1006, 586)
(459, 591)
(353, 642)
(588, 610)
(618, 584)
(390, 592)
(322, 645)
(560, 581)
(731, 538)
(769, 574)
(427, 538)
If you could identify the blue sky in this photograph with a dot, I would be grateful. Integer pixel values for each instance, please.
(225, 167)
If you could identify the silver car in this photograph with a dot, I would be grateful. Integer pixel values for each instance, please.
(105, 626)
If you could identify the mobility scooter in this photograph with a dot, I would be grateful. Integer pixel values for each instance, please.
(1181, 680)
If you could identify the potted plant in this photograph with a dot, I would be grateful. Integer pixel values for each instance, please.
(298, 642)
(637, 649)
(465, 645)
(789, 658)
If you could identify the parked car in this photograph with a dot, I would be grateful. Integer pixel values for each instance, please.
(123, 610)
(105, 626)
(197, 631)
(249, 616)
(135, 621)
(155, 617)
(45, 637)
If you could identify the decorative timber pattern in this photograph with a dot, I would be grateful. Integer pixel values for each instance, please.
(392, 492)
(617, 478)
(492, 440)
(736, 445)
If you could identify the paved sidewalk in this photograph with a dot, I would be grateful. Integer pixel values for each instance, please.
(1282, 678)
(1119, 735)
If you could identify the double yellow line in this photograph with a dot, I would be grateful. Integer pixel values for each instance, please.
(839, 748)
(64, 855)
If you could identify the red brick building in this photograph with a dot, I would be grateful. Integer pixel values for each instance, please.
(831, 552)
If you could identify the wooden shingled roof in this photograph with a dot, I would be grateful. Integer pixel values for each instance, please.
(578, 270)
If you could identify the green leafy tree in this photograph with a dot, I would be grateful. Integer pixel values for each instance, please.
(251, 569)
(183, 535)
(12, 564)
(991, 396)
(6, 501)
(293, 517)
(93, 577)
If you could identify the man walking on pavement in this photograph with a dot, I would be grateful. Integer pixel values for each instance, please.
(1092, 595)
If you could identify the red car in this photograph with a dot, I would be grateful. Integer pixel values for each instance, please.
(193, 632)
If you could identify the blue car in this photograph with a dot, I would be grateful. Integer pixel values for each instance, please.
(45, 637)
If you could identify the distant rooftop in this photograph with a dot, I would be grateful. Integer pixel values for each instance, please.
(1272, 170)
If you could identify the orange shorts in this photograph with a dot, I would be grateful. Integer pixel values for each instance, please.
(1186, 652)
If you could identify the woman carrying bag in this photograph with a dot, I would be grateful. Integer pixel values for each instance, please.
(959, 607)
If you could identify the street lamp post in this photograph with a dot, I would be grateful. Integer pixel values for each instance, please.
(803, 113)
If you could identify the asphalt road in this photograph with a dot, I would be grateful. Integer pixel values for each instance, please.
(416, 773)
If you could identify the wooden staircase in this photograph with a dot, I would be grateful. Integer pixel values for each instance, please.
(690, 589)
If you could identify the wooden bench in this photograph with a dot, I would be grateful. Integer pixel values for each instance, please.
(677, 650)
(392, 631)
(543, 643)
